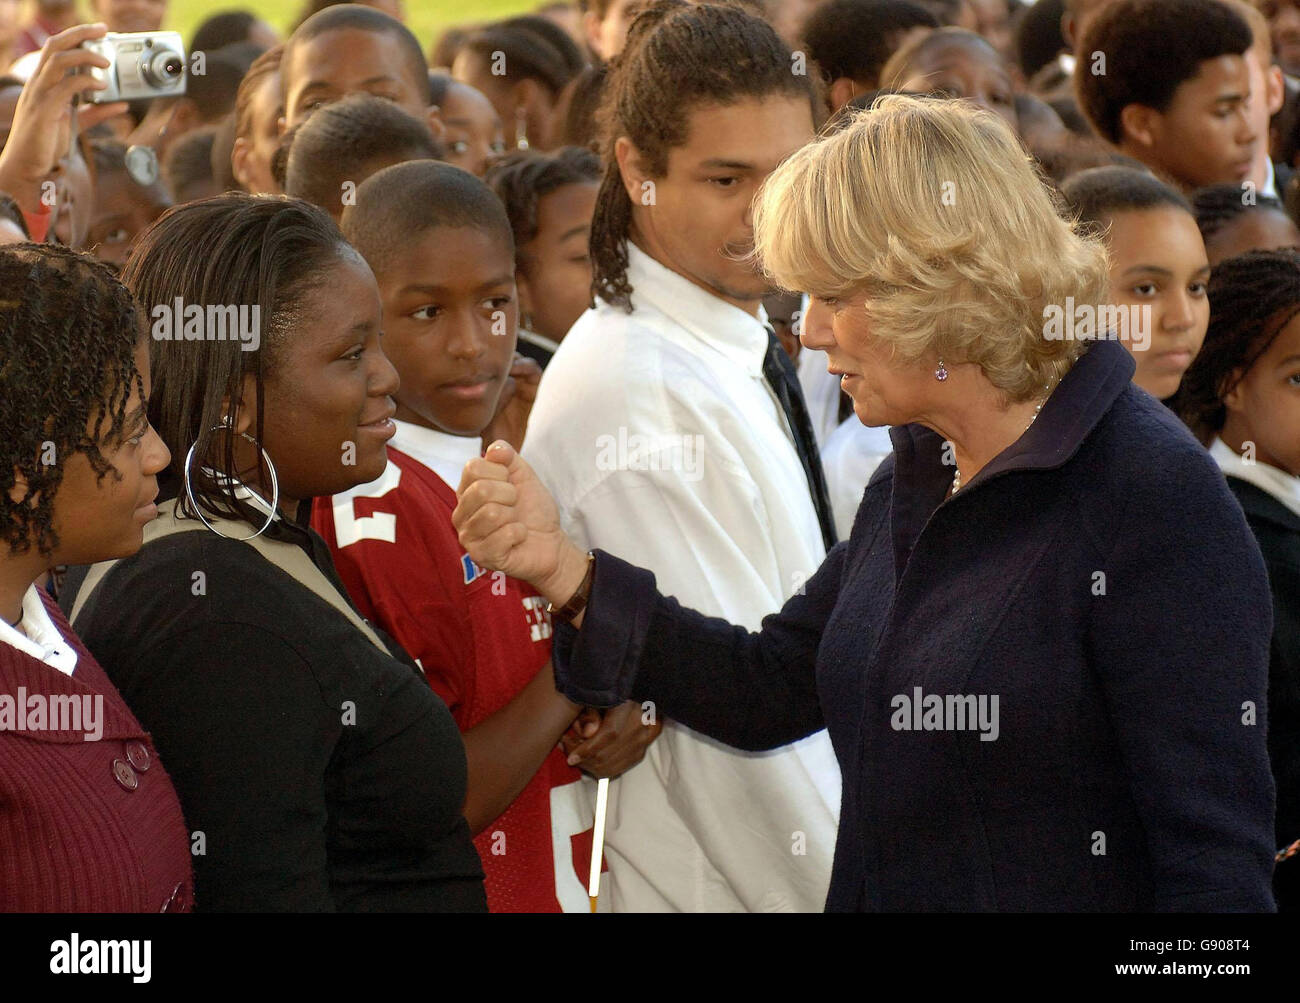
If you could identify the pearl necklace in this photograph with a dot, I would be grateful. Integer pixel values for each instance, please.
(956, 477)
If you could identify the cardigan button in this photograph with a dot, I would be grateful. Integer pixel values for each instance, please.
(125, 776)
(138, 756)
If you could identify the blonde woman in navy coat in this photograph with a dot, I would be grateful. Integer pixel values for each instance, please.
(1043, 653)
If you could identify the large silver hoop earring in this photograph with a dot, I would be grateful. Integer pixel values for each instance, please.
(275, 486)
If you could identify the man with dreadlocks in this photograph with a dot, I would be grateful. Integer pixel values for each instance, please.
(670, 426)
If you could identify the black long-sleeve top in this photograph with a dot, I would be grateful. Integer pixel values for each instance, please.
(1096, 579)
(322, 773)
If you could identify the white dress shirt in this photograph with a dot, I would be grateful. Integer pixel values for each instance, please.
(849, 458)
(37, 636)
(663, 444)
(821, 393)
(1278, 483)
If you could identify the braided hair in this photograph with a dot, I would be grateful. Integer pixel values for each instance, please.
(678, 56)
(1252, 299)
(68, 335)
(1219, 205)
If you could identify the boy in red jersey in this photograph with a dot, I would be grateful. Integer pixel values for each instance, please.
(441, 249)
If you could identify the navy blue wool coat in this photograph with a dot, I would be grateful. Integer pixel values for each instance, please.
(1096, 577)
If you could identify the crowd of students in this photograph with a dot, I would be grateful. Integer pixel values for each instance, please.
(254, 343)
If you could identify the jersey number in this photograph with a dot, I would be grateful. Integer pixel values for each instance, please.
(349, 529)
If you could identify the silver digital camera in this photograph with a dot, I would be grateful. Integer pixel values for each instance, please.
(144, 64)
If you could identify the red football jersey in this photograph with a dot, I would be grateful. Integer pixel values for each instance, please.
(480, 638)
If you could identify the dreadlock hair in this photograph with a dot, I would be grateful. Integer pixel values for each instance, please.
(68, 335)
(678, 56)
(267, 251)
(348, 140)
(1252, 299)
(1218, 205)
(534, 47)
(522, 179)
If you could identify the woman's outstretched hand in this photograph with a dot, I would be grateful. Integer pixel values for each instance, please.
(507, 521)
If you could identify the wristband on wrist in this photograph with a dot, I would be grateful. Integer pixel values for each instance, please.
(578, 601)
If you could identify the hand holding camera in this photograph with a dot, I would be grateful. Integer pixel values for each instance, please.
(42, 131)
(147, 64)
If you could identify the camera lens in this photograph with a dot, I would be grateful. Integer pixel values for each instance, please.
(163, 68)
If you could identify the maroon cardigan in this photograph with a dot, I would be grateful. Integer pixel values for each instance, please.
(85, 826)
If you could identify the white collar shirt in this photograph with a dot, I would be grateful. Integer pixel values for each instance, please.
(36, 635)
(662, 443)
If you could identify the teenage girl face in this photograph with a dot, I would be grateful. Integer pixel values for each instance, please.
(451, 316)
(99, 519)
(471, 129)
(329, 396)
(967, 69)
(1264, 405)
(1158, 260)
(555, 279)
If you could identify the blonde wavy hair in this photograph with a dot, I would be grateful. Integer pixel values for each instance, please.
(934, 210)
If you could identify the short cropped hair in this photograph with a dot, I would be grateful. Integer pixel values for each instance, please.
(215, 91)
(1151, 48)
(1097, 194)
(341, 140)
(403, 201)
(355, 16)
(221, 29)
(960, 260)
(855, 38)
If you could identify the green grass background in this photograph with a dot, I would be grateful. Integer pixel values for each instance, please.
(427, 18)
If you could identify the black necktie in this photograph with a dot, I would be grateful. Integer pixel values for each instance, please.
(779, 372)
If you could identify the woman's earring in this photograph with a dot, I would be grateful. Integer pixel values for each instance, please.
(228, 425)
(521, 127)
(941, 373)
